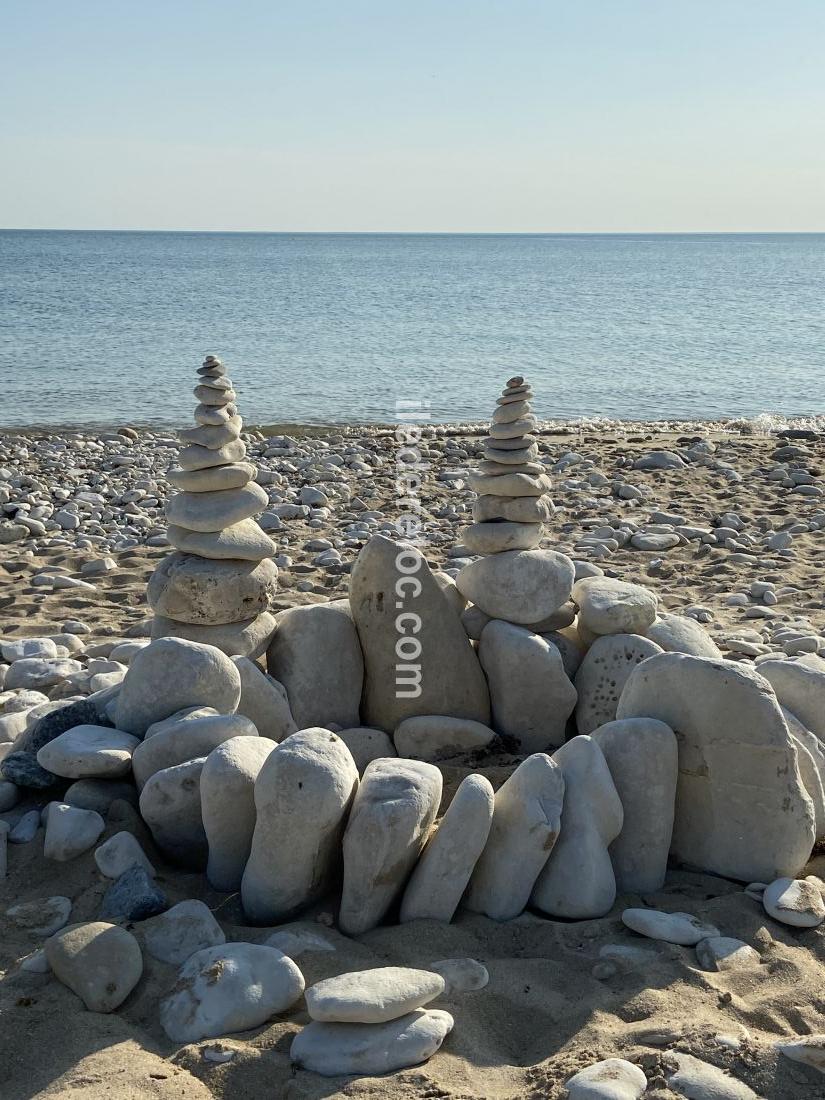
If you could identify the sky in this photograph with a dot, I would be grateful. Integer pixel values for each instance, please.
(413, 115)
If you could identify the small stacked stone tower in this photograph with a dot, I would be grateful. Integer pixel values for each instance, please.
(513, 521)
(218, 585)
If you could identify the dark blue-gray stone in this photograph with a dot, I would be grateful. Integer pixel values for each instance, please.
(134, 896)
(83, 712)
(22, 768)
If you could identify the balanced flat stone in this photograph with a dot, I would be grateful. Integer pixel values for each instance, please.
(195, 457)
(515, 509)
(372, 996)
(234, 475)
(496, 469)
(510, 456)
(519, 586)
(209, 592)
(213, 436)
(741, 806)
(209, 396)
(507, 485)
(217, 510)
(247, 638)
(242, 540)
(495, 538)
(511, 412)
(214, 414)
(512, 429)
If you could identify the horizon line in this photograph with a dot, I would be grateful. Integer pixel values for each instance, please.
(436, 232)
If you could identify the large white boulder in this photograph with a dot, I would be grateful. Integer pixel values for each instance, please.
(578, 881)
(741, 806)
(417, 656)
(228, 806)
(603, 673)
(526, 821)
(388, 826)
(171, 674)
(446, 864)
(206, 591)
(643, 759)
(302, 796)
(228, 988)
(531, 696)
(519, 586)
(316, 655)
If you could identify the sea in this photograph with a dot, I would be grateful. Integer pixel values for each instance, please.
(107, 328)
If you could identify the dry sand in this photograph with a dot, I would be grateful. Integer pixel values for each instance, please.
(543, 1015)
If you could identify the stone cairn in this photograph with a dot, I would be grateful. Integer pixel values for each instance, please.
(515, 580)
(217, 586)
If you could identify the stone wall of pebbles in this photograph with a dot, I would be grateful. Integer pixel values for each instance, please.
(218, 585)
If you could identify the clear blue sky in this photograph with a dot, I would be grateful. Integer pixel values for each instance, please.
(441, 115)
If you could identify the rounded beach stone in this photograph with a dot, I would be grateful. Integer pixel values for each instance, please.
(232, 476)
(515, 509)
(43, 917)
(680, 928)
(531, 696)
(171, 674)
(723, 953)
(512, 411)
(120, 852)
(611, 1079)
(367, 744)
(370, 1049)
(509, 455)
(228, 988)
(217, 510)
(70, 831)
(89, 752)
(515, 484)
(228, 806)
(372, 996)
(608, 606)
(186, 740)
(643, 758)
(797, 902)
(195, 457)
(518, 586)
(243, 540)
(316, 655)
(444, 867)
(192, 589)
(246, 638)
(681, 634)
(170, 804)
(461, 975)
(526, 821)
(435, 737)
(100, 962)
(603, 673)
(174, 936)
(212, 395)
(213, 435)
(264, 701)
(495, 538)
(741, 806)
(388, 825)
(99, 794)
(578, 881)
(214, 414)
(302, 795)
(511, 429)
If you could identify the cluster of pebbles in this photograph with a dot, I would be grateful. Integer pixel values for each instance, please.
(219, 584)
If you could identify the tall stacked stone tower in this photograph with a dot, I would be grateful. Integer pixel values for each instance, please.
(218, 585)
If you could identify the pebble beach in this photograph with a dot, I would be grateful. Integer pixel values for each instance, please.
(724, 523)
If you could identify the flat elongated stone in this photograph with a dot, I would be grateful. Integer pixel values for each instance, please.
(208, 395)
(390, 819)
(444, 867)
(516, 509)
(526, 822)
(511, 412)
(508, 456)
(213, 436)
(214, 414)
(370, 1049)
(191, 589)
(218, 510)
(494, 538)
(185, 741)
(247, 638)
(242, 540)
(518, 586)
(372, 996)
(232, 476)
(195, 457)
(741, 806)
(512, 428)
(438, 737)
(89, 751)
(303, 793)
(508, 485)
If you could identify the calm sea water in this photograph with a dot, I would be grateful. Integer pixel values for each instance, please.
(102, 328)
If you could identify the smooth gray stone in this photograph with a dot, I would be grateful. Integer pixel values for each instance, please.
(170, 804)
(177, 934)
(89, 752)
(507, 456)
(433, 671)
(247, 638)
(509, 484)
(723, 953)
(171, 674)
(511, 412)
(99, 794)
(494, 538)
(209, 396)
(217, 510)
(741, 806)
(609, 606)
(264, 701)
(195, 457)
(185, 741)
(435, 737)
(515, 509)
(513, 429)
(232, 476)
(208, 592)
(69, 831)
(370, 1049)
(518, 586)
(681, 634)
(214, 414)
(372, 996)
(367, 744)
(800, 686)
(316, 655)
(610, 1079)
(243, 540)
(213, 435)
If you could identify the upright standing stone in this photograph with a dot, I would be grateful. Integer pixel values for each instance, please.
(217, 587)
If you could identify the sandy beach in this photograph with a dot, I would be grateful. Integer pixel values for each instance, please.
(739, 529)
